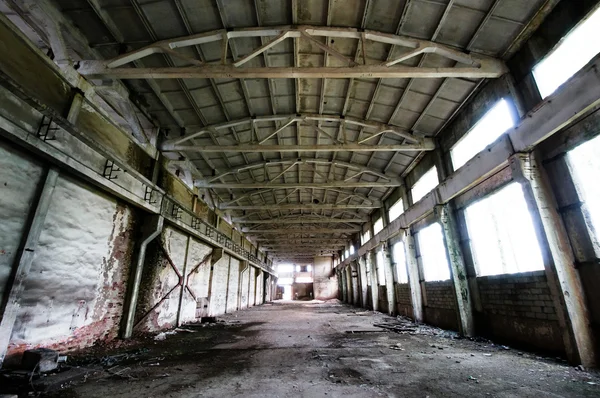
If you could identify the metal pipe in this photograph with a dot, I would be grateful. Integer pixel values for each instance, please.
(137, 279)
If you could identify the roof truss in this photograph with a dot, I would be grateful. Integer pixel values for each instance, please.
(471, 65)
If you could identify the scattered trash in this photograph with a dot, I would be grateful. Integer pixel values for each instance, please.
(473, 379)
(580, 368)
(397, 346)
(487, 355)
(163, 335)
(591, 383)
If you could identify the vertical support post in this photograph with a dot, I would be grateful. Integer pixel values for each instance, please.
(344, 285)
(349, 291)
(355, 284)
(563, 278)
(364, 286)
(23, 261)
(244, 267)
(371, 263)
(458, 270)
(183, 282)
(414, 278)
(388, 268)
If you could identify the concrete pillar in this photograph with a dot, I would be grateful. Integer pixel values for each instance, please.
(364, 286)
(23, 261)
(350, 291)
(343, 285)
(355, 287)
(563, 278)
(389, 279)
(371, 263)
(458, 270)
(414, 276)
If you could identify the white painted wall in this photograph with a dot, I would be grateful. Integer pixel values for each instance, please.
(218, 299)
(74, 292)
(234, 281)
(19, 180)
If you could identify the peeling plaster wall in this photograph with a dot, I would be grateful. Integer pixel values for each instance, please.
(218, 299)
(234, 284)
(244, 289)
(19, 181)
(198, 271)
(252, 291)
(74, 293)
(325, 283)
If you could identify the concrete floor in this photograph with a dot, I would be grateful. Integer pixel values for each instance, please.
(304, 349)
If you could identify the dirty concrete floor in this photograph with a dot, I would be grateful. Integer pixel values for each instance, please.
(304, 349)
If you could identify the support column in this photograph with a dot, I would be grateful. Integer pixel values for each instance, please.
(559, 262)
(23, 261)
(414, 276)
(184, 283)
(349, 290)
(364, 286)
(374, 284)
(388, 267)
(355, 286)
(458, 270)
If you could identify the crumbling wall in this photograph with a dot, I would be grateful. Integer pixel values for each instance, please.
(518, 309)
(252, 291)
(19, 182)
(440, 305)
(325, 283)
(218, 292)
(234, 284)
(403, 300)
(74, 293)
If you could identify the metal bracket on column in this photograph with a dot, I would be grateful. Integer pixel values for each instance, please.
(109, 169)
(149, 195)
(45, 129)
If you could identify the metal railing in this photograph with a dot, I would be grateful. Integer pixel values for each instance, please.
(170, 209)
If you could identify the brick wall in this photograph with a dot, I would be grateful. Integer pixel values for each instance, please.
(440, 305)
(518, 309)
(403, 299)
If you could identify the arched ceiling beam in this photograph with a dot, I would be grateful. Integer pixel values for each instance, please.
(472, 65)
(359, 169)
(287, 120)
(350, 195)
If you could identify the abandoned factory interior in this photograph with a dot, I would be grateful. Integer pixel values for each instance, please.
(312, 198)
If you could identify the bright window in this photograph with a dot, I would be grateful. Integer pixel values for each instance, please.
(377, 226)
(491, 126)
(585, 162)
(425, 184)
(433, 253)
(346, 253)
(400, 261)
(396, 209)
(351, 249)
(285, 268)
(380, 268)
(572, 54)
(503, 238)
(366, 237)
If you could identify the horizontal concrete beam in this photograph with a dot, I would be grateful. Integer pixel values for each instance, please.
(292, 185)
(303, 206)
(302, 220)
(427, 145)
(301, 231)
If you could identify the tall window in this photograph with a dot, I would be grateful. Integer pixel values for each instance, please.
(425, 184)
(380, 268)
(433, 253)
(378, 226)
(400, 261)
(396, 209)
(351, 249)
(503, 238)
(491, 126)
(366, 237)
(572, 54)
(585, 163)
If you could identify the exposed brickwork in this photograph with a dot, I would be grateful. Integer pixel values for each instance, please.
(523, 295)
(440, 295)
(403, 294)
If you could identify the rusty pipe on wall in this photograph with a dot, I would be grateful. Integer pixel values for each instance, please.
(152, 229)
